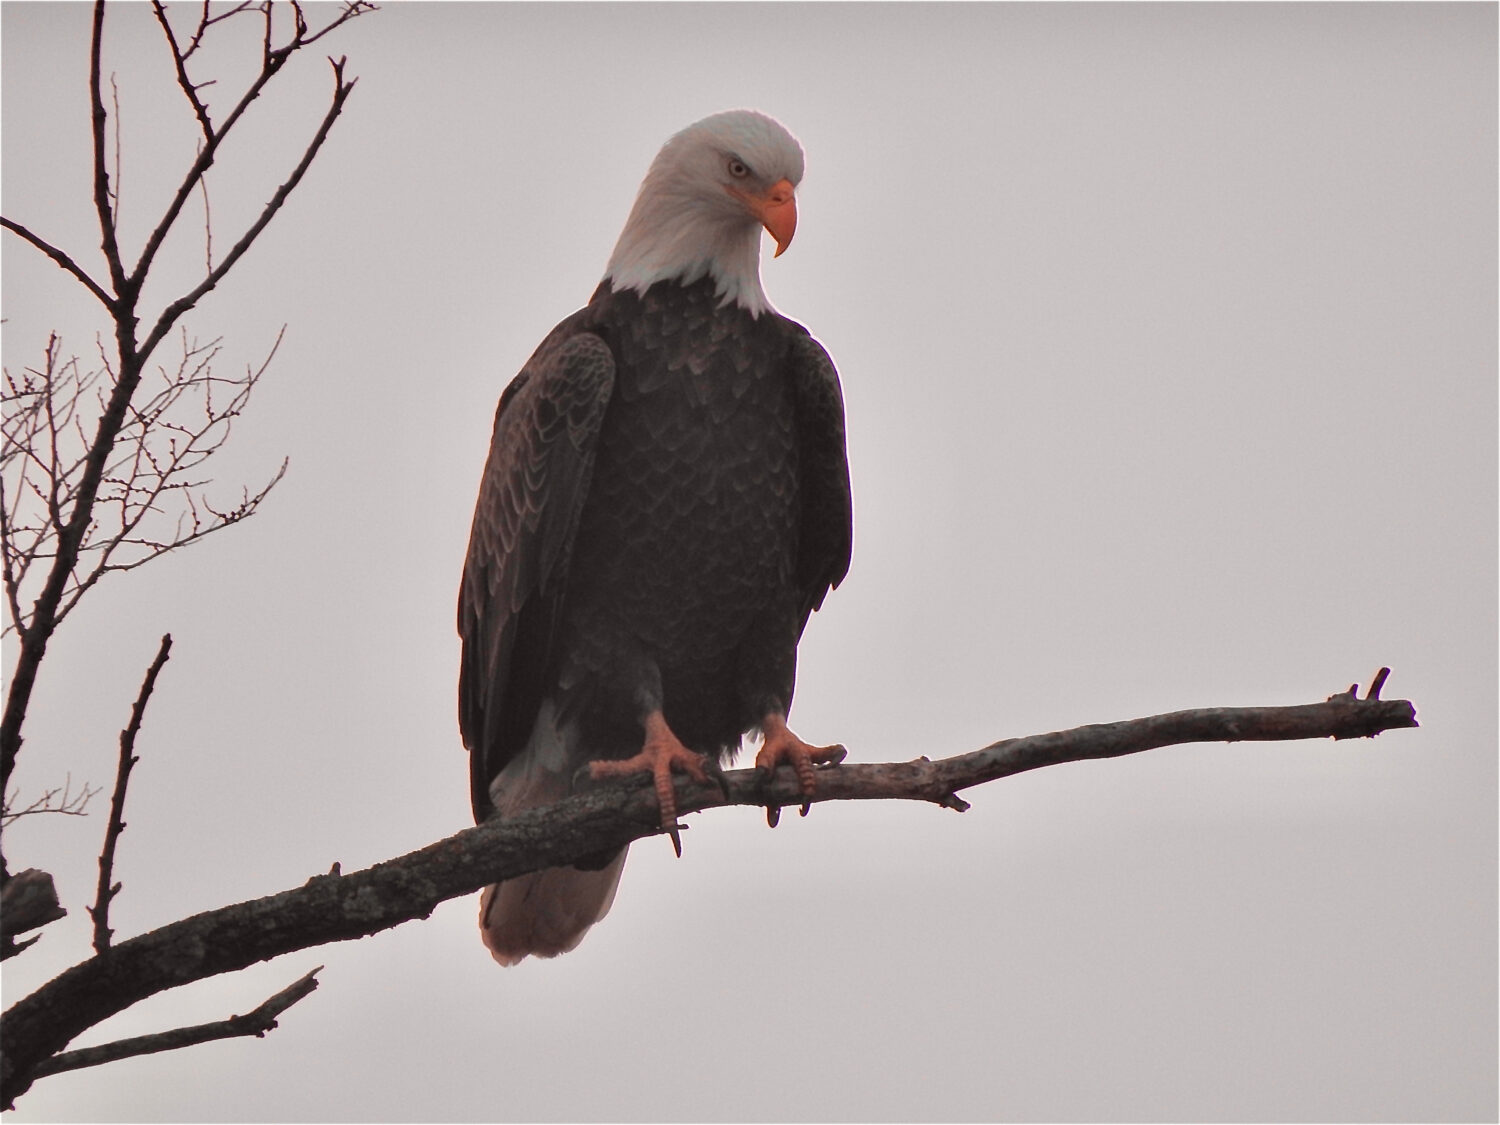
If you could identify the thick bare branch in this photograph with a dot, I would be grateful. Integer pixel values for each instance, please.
(338, 907)
(107, 890)
(256, 1023)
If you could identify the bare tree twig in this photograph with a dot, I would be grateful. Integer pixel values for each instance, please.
(170, 314)
(59, 799)
(99, 912)
(179, 60)
(337, 907)
(208, 228)
(114, 90)
(61, 259)
(205, 22)
(165, 439)
(257, 1023)
(272, 60)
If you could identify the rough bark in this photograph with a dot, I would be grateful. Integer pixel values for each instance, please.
(338, 907)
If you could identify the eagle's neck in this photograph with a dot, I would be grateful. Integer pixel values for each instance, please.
(667, 239)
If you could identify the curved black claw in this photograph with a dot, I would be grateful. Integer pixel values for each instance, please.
(675, 831)
(773, 815)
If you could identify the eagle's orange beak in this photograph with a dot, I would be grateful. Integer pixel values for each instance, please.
(777, 212)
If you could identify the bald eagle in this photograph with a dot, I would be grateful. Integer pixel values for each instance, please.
(665, 501)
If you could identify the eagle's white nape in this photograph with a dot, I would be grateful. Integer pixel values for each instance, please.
(686, 223)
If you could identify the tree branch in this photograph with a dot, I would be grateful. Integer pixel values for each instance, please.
(336, 907)
(59, 800)
(272, 61)
(61, 259)
(109, 242)
(256, 1023)
(99, 912)
(341, 92)
(179, 60)
(132, 356)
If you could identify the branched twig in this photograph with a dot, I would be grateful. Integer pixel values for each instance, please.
(99, 912)
(337, 907)
(179, 60)
(272, 60)
(170, 315)
(256, 1023)
(205, 22)
(164, 442)
(59, 799)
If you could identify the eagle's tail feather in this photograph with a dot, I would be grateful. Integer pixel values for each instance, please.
(546, 912)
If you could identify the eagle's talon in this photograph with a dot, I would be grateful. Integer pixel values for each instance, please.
(773, 815)
(782, 746)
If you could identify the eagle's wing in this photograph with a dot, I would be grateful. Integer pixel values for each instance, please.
(535, 483)
(826, 533)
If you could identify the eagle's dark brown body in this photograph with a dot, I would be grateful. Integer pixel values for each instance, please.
(666, 501)
(685, 560)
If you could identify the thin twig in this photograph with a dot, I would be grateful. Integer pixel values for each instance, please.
(118, 185)
(256, 1023)
(59, 800)
(205, 22)
(179, 60)
(99, 912)
(208, 228)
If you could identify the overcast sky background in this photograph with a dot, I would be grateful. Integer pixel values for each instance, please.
(1168, 338)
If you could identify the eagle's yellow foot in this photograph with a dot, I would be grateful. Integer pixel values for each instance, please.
(782, 746)
(659, 754)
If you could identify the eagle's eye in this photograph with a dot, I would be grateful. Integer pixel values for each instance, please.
(738, 168)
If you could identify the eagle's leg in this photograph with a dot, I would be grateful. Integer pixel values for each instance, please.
(782, 746)
(660, 753)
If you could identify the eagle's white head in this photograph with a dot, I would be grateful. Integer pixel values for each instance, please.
(701, 207)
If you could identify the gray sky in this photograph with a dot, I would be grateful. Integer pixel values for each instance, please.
(1168, 336)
